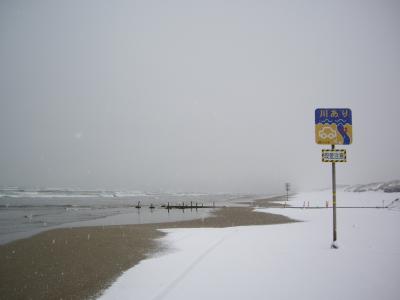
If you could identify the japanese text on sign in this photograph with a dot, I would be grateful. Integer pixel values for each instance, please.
(337, 155)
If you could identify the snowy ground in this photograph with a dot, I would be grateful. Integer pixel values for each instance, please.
(289, 261)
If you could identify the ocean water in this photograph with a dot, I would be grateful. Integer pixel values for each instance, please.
(24, 213)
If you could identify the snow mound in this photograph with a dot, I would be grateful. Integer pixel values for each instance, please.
(395, 204)
(387, 187)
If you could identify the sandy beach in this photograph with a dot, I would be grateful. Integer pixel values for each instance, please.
(78, 263)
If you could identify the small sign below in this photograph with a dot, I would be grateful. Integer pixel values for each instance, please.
(334, 155)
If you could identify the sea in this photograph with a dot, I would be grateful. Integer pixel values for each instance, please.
(25, 212)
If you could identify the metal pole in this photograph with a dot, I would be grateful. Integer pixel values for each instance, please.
(334, 202)
(287, 187)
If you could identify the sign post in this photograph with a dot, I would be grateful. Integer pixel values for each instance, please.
(287, 187)
(333, 126)
(334, 244)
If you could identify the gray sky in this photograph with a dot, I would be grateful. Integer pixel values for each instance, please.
(195, 95)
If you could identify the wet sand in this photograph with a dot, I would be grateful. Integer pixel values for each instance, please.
(276, 201)
(78, 263)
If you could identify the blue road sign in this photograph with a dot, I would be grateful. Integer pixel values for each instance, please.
(333, 126)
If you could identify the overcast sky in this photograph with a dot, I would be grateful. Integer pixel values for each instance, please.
(215, 96)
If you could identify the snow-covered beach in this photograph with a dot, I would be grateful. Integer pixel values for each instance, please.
(80, 262)
(183, 149)
(285, 261)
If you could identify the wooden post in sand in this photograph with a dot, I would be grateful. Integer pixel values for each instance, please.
(287, 187)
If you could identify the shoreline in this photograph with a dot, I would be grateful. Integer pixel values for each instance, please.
(81, 262)
(132, 217)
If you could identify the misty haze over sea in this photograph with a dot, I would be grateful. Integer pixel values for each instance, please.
(205, 96)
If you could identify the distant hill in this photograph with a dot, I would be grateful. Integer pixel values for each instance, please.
(387, 187)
